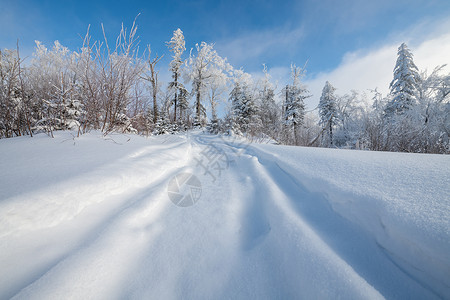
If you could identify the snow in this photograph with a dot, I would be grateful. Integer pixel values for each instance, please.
(90, 217)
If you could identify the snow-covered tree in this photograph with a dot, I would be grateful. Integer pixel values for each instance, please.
(183, 107)
(295, 94)
(107, 76)
(328, 110)
(216, 88)
(352, 111)
(244, 109)
(52, 76)
(11, 104)
(269, 111)
(177, 47)
(404, 84)
(203, 70)
(152, 76)
(163, 124)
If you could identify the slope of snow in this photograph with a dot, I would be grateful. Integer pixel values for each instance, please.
(91, 217)
(402, 200)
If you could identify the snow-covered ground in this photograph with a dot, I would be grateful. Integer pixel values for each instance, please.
(95, 218)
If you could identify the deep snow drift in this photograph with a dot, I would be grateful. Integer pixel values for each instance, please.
(198, 216)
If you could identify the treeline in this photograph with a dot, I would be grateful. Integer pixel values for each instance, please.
(115, 88)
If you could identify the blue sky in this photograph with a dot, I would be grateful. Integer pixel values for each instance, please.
(328, 34)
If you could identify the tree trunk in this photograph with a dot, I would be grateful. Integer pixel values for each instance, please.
(197, 103)
(295, 134)
(331, 133)
(175, 99)
(154, 82)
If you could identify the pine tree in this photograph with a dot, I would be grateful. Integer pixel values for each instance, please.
(183, 106)
(244, 108)
(162, 125)
(327, 110)
(294, 112)
(269, 111)
(236, 97)
(403, 86)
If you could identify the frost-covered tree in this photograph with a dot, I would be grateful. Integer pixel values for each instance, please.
(152, 76)
(11, 104)
(423, 128)
(352, 112)
(163, 124)
(269, 111)
(328, 110)
(52, 76)
(107, 75)
(183, 107)
(236, 96)
(244, 109)
(177, 47)
(216, 88)
(374, 122)
(295, 94)
(203, 70)
(403, 86)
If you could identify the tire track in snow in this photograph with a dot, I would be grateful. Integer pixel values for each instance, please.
(275, 245)
(350, 244)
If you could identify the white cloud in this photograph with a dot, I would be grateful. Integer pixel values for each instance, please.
(368, 69)
(248, 47)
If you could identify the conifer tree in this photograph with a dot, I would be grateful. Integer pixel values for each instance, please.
(294, 112)
(327, 110)
(245, 110)
(403, 86)
(269, 111)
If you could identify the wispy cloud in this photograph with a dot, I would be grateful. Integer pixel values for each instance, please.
(252, 48)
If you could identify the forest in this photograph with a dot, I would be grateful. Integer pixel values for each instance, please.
(116, 88)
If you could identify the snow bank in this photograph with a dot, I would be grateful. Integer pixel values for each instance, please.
(402, 199)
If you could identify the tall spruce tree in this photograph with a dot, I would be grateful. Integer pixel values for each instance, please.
(269, 110)
(403, 86)
(327, 110)
(294, 111)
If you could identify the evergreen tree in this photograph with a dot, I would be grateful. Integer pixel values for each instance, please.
(183, 106)
(294, 111)
(236, 96)
(403, 86)
(245, 111)
(327, 109)
(269, 111)
(163, 125)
